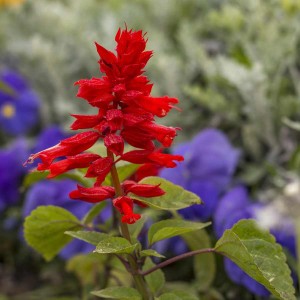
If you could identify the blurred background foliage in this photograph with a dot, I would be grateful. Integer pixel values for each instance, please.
(234, 65)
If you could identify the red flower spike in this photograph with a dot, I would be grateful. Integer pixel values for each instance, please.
(137, 156)
(146, 170)
(165, 160)
(84, 122)
(100, 168)
(138, 138)
(72, 162)
(125, 206)
(70, 146)
(142, 190)
(107, 56)
(114, 143)
(114, 119)
(126, 112)
(93, 194)
(96, 91)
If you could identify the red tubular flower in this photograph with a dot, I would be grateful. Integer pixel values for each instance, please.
(72, 162)
(100, 168)
(84, 122)
(93, 194)
(114, 143)
(143, 190)
(125, 206)
(70, 146)
(125, 113)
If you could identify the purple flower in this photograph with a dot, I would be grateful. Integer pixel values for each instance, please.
(11, 172)
(230, 209)
(57, 193)
(210, 161)
(237, 275)
(19, 107)
(175, 245)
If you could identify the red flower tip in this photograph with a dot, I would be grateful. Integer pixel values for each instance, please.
(130, 219)
(125, 206)
(142, 190)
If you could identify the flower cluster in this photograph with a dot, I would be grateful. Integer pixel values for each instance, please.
(126, 113)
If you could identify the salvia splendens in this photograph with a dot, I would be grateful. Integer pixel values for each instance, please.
(125, 113)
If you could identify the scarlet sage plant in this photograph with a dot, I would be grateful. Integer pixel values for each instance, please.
(126, 113)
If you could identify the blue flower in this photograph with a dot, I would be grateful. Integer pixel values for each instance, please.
(19, 107)
(11, 172)
(237, 275)
(210, 161)
(57, 193)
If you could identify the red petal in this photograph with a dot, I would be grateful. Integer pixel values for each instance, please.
(114, 143)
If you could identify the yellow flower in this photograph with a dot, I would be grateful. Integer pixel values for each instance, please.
(10, 2)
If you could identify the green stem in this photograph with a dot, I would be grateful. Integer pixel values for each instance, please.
(177, 258)
(138, 278)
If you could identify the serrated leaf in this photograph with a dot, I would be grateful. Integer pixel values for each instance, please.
(45, 227)
(175, 197)
(118, 292)
(169, 228)
(256, 252)
(36, 176)
(151, 252)
(93, 212)
(115, 245)
(91, 237)
(204, 265)
(155, 280)
(124, 172)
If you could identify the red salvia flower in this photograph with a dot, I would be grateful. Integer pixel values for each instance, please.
(125, 206)
(125, 113)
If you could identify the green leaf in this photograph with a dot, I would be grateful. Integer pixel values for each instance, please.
(91, 237)
(115, 245)
(155, 280)
(168, 228)
(124, 172)
(174, 295)
(36, 176)
(93, 212)
(87, 267)
(118, 292)
(204, 265)
(151, 252)
(6, 88)
(175, 197)
(44, 229)
(256, 252)
(169, 296)
(136, 228)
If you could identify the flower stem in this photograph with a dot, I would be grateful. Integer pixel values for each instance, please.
(138, 278)
(177, 258)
